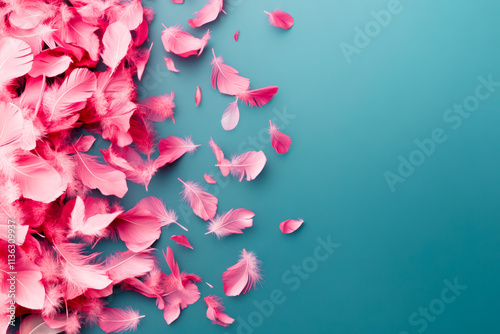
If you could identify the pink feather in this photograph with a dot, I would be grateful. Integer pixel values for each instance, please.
(222, 162)
(231, 222)
(290, 225)
(181, 240)
(170, 65)
(207, 14)
(280, 19)
(204, 205)
(138, 228)
(209, 179)
(72, 95)
(157, 207)
(11, 124)
(243, 276)
(258, 97)
(182, 43)
(30, 292)
(197, 96)
(100, 176)
(116, 41)
(226, 79)
(129, 13)
(123, 265)
(250, 164)
(215, 311)
(231, 116)
(178, 1)
(237, 36)
(35, 324)
(16, 59)
(141, 61)
(49, 65)
(159, 108)
(115, 320)
(37, 179)
(280, 142)
(172, 148)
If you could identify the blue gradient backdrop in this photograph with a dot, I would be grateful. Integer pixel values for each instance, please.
(396, 251)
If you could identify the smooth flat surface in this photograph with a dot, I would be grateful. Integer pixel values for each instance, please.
(349, 123)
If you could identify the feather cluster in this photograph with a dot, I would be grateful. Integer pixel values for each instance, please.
(62, 198)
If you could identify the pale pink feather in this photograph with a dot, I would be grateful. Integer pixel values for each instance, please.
(142, 60)
(93, 225)
(181, 240)
(197, 96)
(159, 108)
(226, 79)
(207, 14)
(250, 164)
(11, 124)
(138, 228)
(157, 207)
(231, 222)
(116, 41)
(49, 65)
(115, 320)
(169, 62)
(280, 19)
(215, 311)
(34, 324)
(204, 205)
(290, 225)
(100, 176)
(222, 162)
(243, 276)
(16, 58)
(172, 148)
(258, 97)
(30, 292)
(129, 13)
(231, 116)
(280, 142)
(209, 179)
(123, 265)
(182, 43)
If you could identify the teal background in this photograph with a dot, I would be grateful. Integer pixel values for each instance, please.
(350, 123)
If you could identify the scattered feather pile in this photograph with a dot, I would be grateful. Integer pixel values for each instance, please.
(54, 103)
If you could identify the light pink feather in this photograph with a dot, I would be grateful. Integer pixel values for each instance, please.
(30, 292)
(159, 108)
(226, 79)
(49, 65)
(231, 222)
(123, 265)
(280, 142)
(172, 148)
(37, 179)
(115, 320)
(207, 14)
(138, 228)
(34, 324)
(250, 164)
(100, 176)
(182, 43)
(142, 60)
(222, 162)
(231, 116)
(116, 41)
(11, 124)
(157, 207)
(204, 205)
(16, 58)
(209, 179)
(215, 311)
(129, 13)
(181, 240)
(170, 65)
(243, 276)
(290, 225)
(258, 97)
(197, 96)
(280, 19)
(93, 225)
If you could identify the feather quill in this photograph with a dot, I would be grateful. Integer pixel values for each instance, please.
(231, 222)
(226, 79)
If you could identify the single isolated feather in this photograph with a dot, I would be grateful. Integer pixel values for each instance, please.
(181, 240)
(237, 36)
(209, 179)
(226, 79)
(215, 311)
(231, 116)
(207, 14)
(116, 41)
(157, 207)
(258, 97)
(290, 225)
(197, 96)
(222, 162)
(280, 19)
(170, 65)
(172, 148)
(16, 59)
(204, 205)
(182, 43)
(231, 222)
(250, 164)
(280, 142)
(243, 276)
(115, 320)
